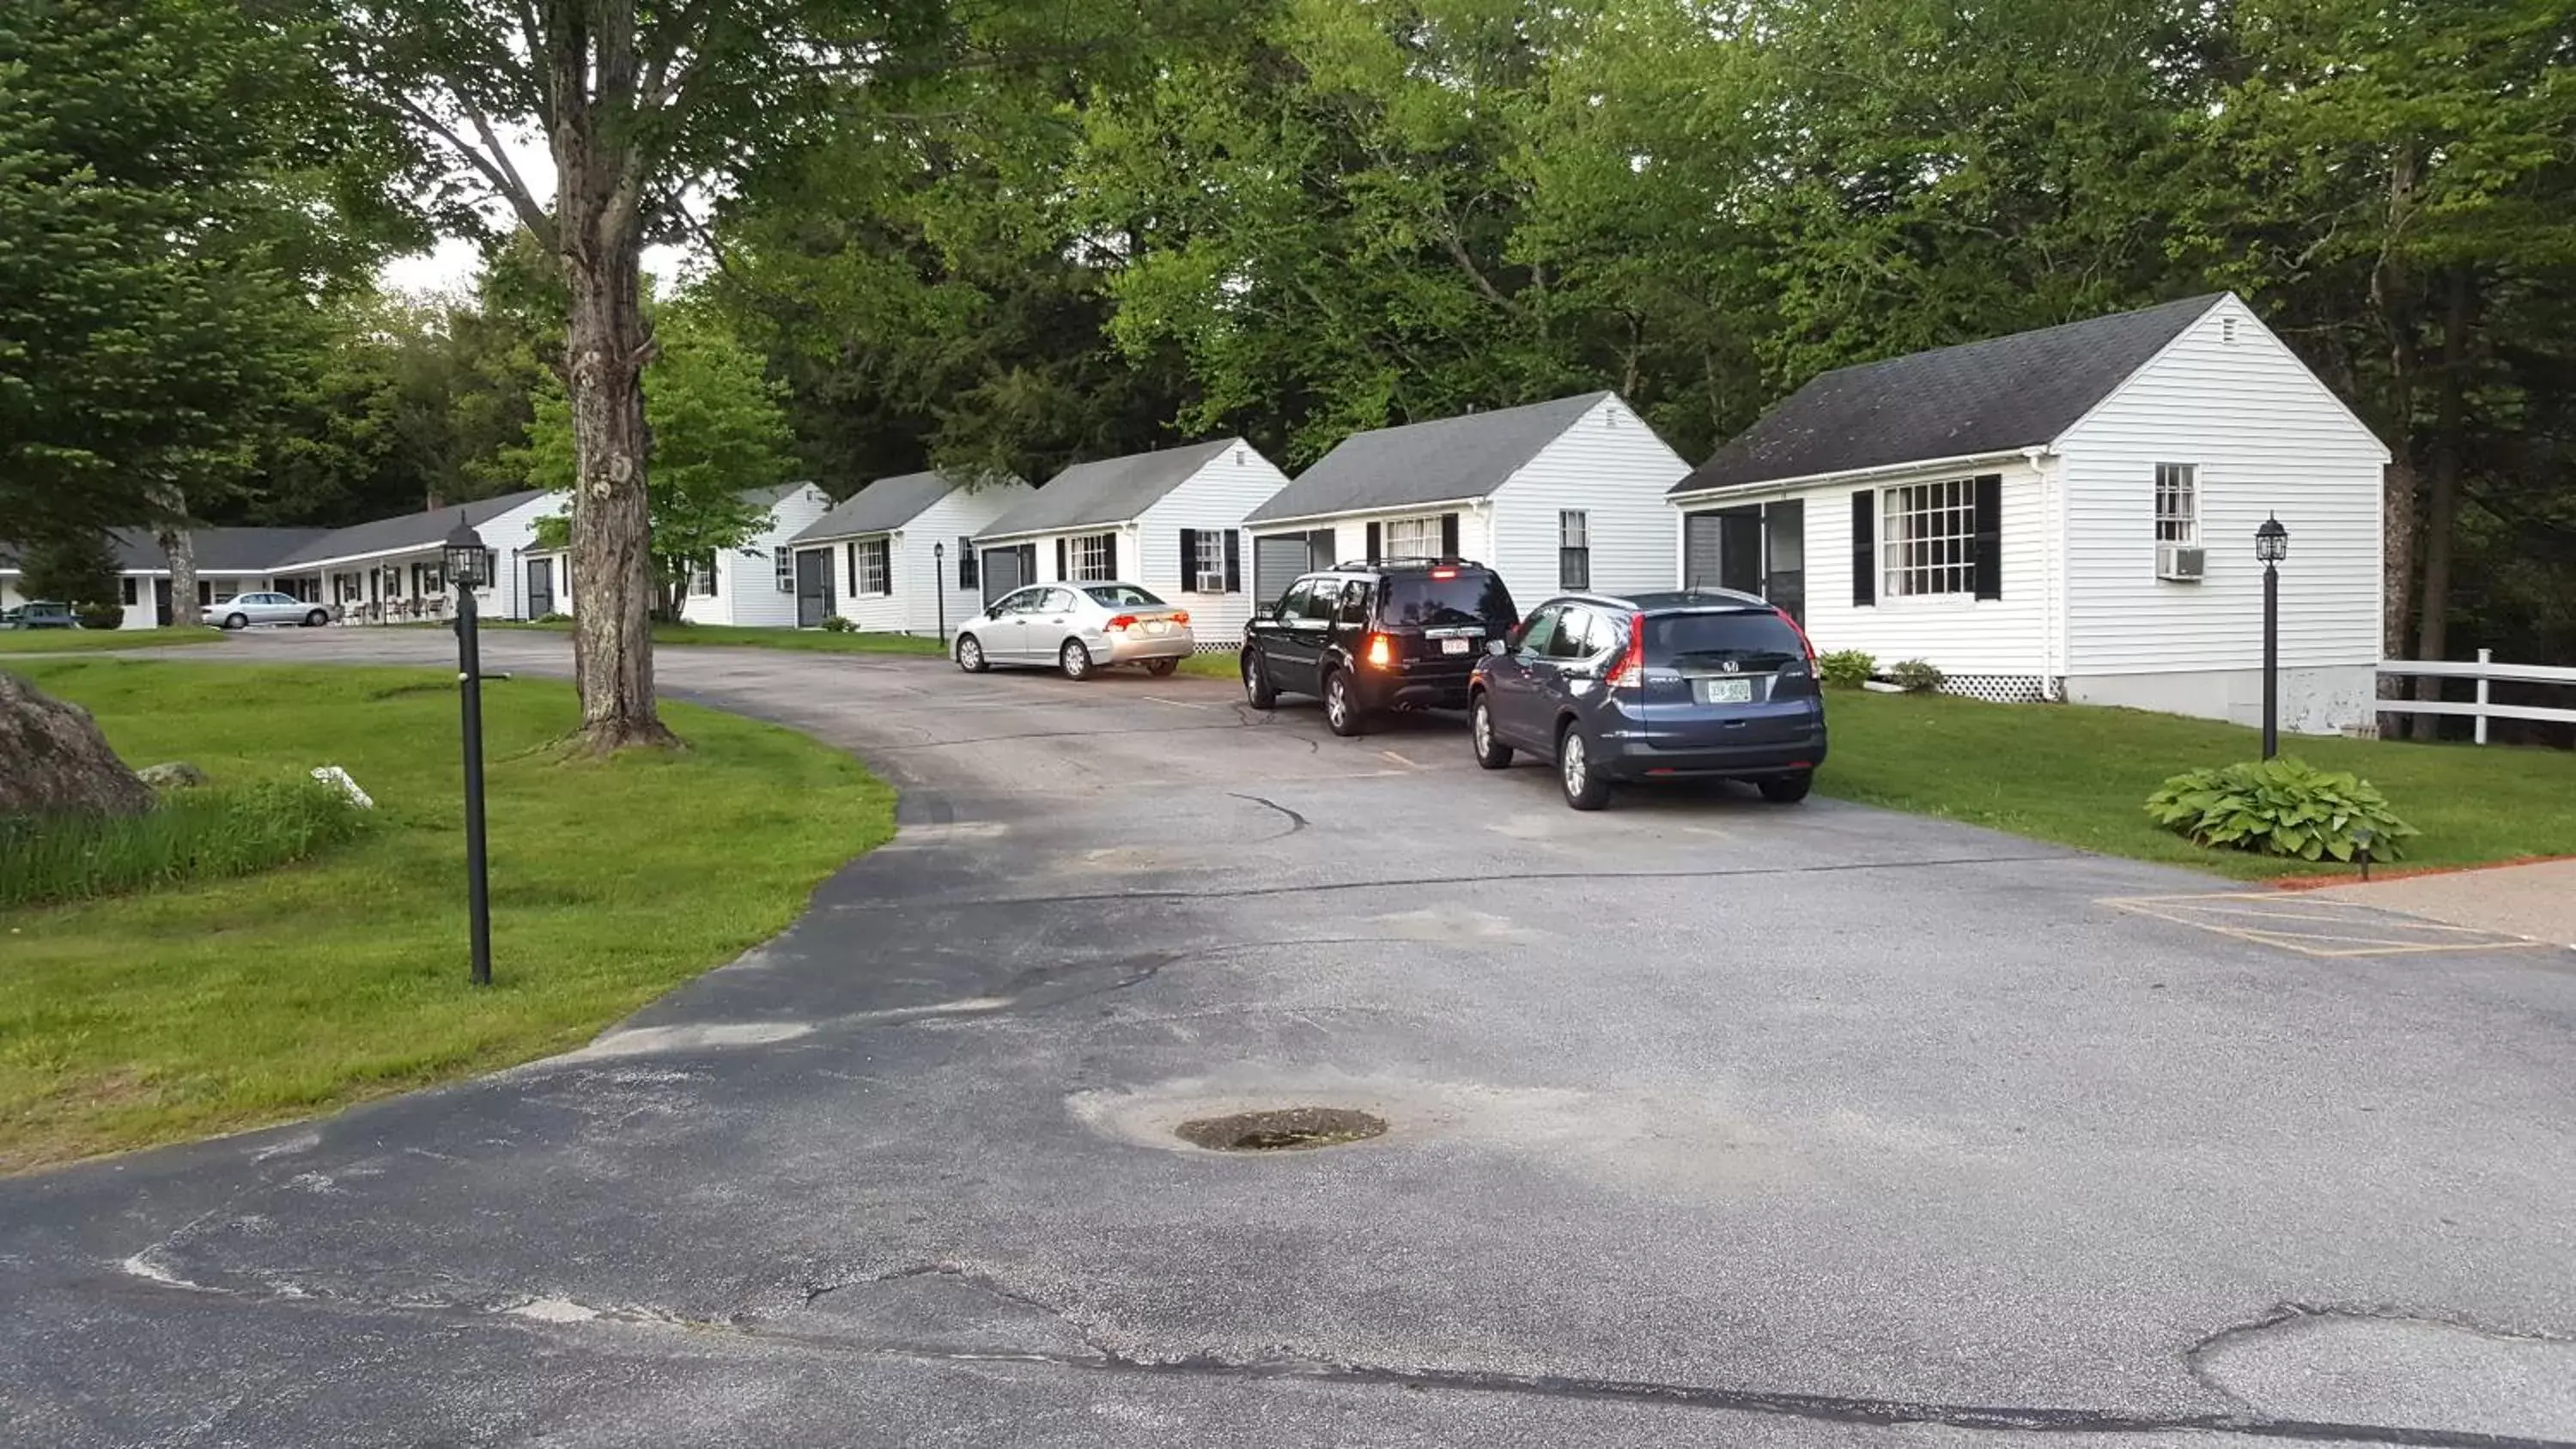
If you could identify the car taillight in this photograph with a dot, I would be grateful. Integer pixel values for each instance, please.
(1444, 573)
(1803, 641)
(1632, 660)
(1123, 622)
(1381, 651)
(1181, 617)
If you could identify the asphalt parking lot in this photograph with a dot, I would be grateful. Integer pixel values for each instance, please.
(1710, 1122)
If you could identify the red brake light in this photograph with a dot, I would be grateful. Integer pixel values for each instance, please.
(1123, 621)
(1181, 616)
(1380, 652)
(1803, 641)
(1444, 573)
(1632, 660)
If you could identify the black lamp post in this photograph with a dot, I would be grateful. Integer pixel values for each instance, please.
(468, 569)
(939, 593)
(2271, 545)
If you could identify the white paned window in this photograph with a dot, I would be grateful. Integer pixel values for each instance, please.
(1573, 549)
(785, 563)
(2177, 503)
(1411, 537)
(1095, 558)
(1207, 570)
(875, 567)
(1927, 542)
(702, 578)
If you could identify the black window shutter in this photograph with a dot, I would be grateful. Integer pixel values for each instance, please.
(1062, 570)
(714, 566)
(1233, 562)
(1864, 548)
(1988, 552)
(1448, 535)
(1189, 560)
(850, 566)
(887, 546)
(1375, 532)
(1111, 539)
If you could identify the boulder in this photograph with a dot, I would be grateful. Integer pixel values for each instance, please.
(53, 760)
(176, 775)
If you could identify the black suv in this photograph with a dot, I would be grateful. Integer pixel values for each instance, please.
(1378, 635)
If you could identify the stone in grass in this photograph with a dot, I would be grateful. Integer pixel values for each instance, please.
(176, 775)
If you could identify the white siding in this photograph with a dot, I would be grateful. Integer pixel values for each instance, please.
(875, 613)
(2266, 436)
(747, 589)
(1214, 499)
(1611, 467)
(921, 579)
(1962, 635)
(511, 536)
(1350, 538)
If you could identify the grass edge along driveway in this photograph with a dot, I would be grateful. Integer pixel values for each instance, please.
(760, 636)
(93, 641)
(2079, 775)
(232, 1004)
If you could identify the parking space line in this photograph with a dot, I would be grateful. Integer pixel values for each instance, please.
(1160, 699)
(2234, 913)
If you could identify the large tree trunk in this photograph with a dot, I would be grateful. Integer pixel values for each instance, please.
(2442, 484)
(599, 223)
(53, 760)
(181, 547)
(2392, 300)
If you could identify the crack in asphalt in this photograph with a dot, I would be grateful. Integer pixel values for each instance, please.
(1296, 822)
(549, 1313)
(1233, 892)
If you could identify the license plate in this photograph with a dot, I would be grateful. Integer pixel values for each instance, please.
(1726, 691)
(1153, 626)
(1453, 646)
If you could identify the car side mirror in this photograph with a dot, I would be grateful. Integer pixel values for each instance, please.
(1497, 646)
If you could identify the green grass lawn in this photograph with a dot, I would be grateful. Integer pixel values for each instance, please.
(1228, 665)
(812, 641)
(201, 1009)
(2079, 776)
(60, 641)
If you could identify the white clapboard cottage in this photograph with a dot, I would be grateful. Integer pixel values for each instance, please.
(752, 584)
(1171, 521)
(1553, 496)
(898, 556)
(2068, 514)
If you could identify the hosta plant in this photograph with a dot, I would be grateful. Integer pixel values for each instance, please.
(2281, 807)
(1847, 668)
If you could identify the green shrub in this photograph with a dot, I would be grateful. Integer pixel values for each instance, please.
(1847, 668)
(101, 616)
(837, 624)
(1916, 676)
(552, 618)
(199, 835)
(2280, 807)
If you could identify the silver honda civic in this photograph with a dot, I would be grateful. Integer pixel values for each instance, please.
(1077, 628)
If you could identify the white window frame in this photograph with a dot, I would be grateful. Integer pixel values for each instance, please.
(1414, 537)
(1092, 558)
(1927, 540)
(2178, 503)
(876, 568)
(1207, 570)
(702, 578)
(783, 559)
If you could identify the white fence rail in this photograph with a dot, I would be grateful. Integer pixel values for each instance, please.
(2483, 671)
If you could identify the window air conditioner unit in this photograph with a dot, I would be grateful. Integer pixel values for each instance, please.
(2184, 562)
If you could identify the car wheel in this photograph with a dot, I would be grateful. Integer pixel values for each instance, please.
(1161, 668)
(236, 621)
(1256, 684)
(1789, 789)
(316, 619)
(1341, 707)
(1074, 660)
(1586, 787)
(970, 654)
(1491, 752)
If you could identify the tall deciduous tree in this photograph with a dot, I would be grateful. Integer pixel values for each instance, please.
(642, 102)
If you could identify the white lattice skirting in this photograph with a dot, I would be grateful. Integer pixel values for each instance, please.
(2001, 688)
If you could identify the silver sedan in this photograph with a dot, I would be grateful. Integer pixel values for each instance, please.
(1078, 628)
(243, 610)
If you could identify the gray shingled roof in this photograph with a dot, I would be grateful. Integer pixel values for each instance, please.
(1113, 490)
(1434, 462)
(2011, 392)
(881, 507)
(219, 550)
(410, 530)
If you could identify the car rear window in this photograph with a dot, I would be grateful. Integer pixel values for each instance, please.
(1753, 640)
(1123, 596)
(1445, 598)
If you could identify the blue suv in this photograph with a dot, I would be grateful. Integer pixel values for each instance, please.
(1705, 683)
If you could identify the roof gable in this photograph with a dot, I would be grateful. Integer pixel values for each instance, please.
(1440, 461)
(1111, 491)
(882, 507)
(1994, 396)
